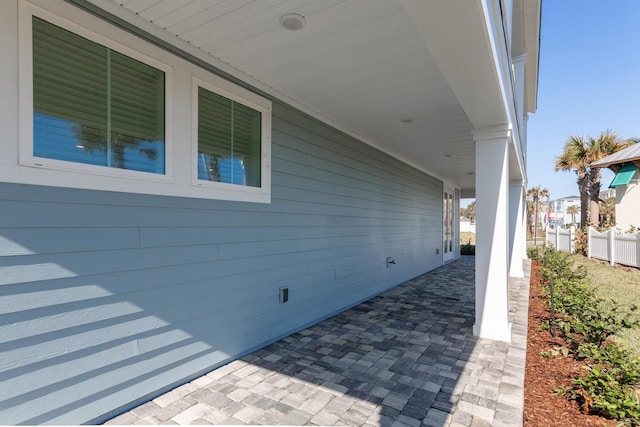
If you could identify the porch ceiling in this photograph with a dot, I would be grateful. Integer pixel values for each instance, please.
(364, 65)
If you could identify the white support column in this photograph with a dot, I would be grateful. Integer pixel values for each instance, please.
(516, 228)
(492, 233)
(518, 72)
(523, 140)
(524, 220)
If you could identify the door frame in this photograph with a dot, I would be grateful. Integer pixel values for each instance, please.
(450, 223)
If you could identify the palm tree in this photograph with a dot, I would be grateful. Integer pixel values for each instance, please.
(573, 211)
(471, 211)
(535, 194)
(113, 144)
(606, 144)
(530, 216)
(574, 157)
(578, 153)
(608, 212)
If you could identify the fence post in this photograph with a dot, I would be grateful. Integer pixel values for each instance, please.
(572, 237)
(589, 242)
(612, 245)
(558, 238)
(638, 249)
(546, 234)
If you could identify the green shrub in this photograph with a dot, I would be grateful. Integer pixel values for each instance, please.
(467, 249)
(559, 268)
(535, 253)
(587, 322)
(609, 390)
(583, 316)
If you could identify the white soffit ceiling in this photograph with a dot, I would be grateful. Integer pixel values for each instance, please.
(359, 63)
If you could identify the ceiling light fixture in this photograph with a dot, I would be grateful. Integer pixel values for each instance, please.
(407, 120)
(448, 155)
(293, 21)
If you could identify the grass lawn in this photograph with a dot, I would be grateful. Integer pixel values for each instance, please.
(466, 237)
(619, 285)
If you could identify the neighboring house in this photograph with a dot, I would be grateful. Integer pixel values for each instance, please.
(626, 165)
(543, 213)
(558, 214)
(607, 194)
(169, 168)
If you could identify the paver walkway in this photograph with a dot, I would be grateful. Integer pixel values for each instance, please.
(406, 357)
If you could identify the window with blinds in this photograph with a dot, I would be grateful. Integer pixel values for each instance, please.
(93, 105)
(229, 140)
(103, 109)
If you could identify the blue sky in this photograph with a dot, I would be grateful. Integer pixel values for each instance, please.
(589, 82)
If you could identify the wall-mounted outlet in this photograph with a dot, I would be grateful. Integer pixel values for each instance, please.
(437, 251)
(284, 295)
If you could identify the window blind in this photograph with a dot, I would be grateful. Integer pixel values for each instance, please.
(94, 105)
(229, 140)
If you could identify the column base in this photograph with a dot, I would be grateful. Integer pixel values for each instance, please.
(494, 333)
(516, 272)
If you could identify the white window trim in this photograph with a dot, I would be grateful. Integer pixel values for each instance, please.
(26, 99)
(242, 96)
(18, 165)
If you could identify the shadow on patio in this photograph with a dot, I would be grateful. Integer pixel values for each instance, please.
(405, 357)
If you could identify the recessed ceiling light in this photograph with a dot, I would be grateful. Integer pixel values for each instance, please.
(448, 155)
(293, 21)
(407, 120)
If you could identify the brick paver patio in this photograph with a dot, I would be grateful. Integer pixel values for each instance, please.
(404, 358)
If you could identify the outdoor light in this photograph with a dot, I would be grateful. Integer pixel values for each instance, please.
(293, 21)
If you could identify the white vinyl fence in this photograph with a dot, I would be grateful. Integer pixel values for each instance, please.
(615, 246)
(466, 226)
(562, 240)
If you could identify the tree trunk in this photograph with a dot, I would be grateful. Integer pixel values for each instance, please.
(535, 224)
(594, 196)
(594, 213)
(584, 197)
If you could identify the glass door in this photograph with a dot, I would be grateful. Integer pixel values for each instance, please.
(448, 229)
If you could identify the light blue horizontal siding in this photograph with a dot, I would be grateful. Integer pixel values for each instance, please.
(181, 236)
(34, 241)
(108, 298)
